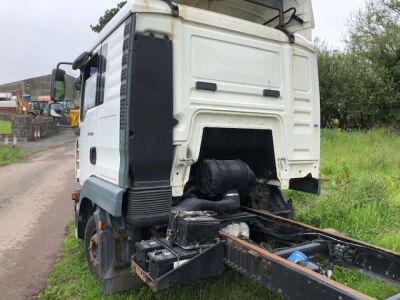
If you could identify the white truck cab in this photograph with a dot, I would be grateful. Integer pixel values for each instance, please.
(227, 71)
(196, 99)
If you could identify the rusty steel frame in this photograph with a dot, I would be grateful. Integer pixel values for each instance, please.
(371, 261)
(293, 281)
(277, 274)
(290, 280)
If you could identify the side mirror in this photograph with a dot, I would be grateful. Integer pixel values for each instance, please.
(55, 110)
(58, 86)
(81, 60)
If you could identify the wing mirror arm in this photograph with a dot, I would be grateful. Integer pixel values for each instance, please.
(63, 63)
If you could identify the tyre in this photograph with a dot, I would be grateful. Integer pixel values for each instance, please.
(91, 242)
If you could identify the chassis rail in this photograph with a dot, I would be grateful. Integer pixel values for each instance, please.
(281, 276)
(293, 281)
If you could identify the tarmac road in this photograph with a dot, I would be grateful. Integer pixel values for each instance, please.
(35, 207)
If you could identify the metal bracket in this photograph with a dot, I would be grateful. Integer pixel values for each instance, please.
(64, 63)
(183, 161)
(207, 263)
(289, 34)
(174, 7)
(278, 6)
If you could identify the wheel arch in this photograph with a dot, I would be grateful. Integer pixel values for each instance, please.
(85, 210)
(96, 192)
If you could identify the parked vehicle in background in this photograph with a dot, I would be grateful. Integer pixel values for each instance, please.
(41, 105)
(5, 96)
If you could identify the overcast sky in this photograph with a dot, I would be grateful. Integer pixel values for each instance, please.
(36, 34)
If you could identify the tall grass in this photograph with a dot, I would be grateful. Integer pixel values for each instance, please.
(10, 155)
(361, 186)
(360, 193)
(69, 279)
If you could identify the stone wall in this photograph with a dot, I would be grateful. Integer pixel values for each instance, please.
(21, 126)
(44, 125)
(27, 127)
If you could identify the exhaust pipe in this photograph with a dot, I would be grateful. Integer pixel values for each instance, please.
(230, 203)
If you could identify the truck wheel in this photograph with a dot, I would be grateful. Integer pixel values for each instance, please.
(91, 242)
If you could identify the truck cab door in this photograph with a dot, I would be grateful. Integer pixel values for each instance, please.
(88, 124)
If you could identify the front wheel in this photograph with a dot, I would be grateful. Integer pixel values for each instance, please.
(91, 241)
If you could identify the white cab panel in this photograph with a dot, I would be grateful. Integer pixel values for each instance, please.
(100, 126)
(243, 59)
(242, 66)
(108, 133)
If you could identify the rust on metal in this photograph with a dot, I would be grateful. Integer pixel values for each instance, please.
(93, 250)
(74, 196)
(99, 225)
(309, 228)
(249, 247)
(144, 276)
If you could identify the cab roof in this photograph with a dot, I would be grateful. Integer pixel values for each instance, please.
(224, 14)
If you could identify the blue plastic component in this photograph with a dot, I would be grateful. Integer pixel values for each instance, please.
(27, 98)
(297, 257)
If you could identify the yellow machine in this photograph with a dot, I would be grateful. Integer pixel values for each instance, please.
(73, 117)
(22, 105)
(71, 113)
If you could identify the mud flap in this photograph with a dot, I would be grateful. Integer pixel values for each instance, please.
(120, 281)
(115, 276)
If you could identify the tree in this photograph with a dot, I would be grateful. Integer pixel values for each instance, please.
(353, 91)
(375, 33)
(360, 86)
(108, 15)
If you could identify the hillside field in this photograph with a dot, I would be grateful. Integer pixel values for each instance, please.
(360, 197)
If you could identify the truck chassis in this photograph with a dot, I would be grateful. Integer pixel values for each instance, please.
(271, 268)
(182, 224)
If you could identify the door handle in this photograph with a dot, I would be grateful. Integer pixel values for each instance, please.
(93, 155)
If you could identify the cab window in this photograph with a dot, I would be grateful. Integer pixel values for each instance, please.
(89, 79)
(93, 78)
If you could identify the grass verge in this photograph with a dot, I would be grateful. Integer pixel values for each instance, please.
(10, 155)
(360, 197)
(5, 127)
